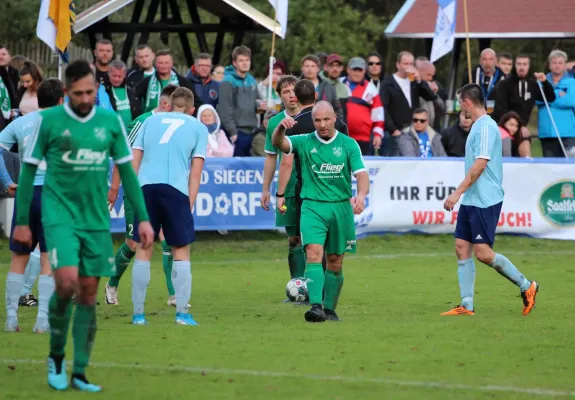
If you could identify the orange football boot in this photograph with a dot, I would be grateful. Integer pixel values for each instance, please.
(528, 297)
(459, 310)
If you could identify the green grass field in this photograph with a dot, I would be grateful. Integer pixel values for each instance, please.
(391, 343)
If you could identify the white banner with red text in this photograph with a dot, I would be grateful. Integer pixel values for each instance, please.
(407, 195)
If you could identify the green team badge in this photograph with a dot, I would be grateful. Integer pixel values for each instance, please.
(557, 203)
(337, 151)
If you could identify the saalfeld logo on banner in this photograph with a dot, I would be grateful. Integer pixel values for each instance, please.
(557, 203)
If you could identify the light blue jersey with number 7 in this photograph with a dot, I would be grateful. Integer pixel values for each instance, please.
(169, 141)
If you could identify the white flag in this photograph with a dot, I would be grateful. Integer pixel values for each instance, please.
(444, 37)
(46, 30)
(281, 7)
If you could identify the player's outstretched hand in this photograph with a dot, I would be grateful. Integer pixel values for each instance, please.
(12, 189)
(358, 204)
(146, 234)
(451, 201)
(112, 196)
(265, 200)
(280, 205)
(288, 123)
(22, 234)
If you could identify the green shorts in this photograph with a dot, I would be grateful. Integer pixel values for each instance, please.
(91, 251)
(329, 224)
(291, 216)
(130, 217)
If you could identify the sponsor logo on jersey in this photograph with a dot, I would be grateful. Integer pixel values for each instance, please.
(313, 151)
(557, 204)
(85, 157)
(327, 168)
(66, 133)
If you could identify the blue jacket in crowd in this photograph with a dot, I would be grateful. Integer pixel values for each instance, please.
(207, 90)
(562, 109)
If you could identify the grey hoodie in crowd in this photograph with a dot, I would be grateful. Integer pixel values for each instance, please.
(237, 104)
(408, 143)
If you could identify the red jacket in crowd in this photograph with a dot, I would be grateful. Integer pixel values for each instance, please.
(364, 111)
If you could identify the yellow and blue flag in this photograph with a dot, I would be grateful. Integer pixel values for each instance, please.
(55, 22)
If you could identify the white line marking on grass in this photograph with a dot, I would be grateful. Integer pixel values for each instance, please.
(389, 256)
(314, 377)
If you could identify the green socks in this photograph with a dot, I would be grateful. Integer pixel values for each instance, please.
(59, 315)
(123, 257)
(84, 332)
(333, 285)
(296, 262)
(315, 279)
(167, 263)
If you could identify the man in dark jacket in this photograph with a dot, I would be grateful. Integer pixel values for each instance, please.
(400, 94)
(487, 74)
(148, 91)
(9, 78)
(144, 59)
(121, 97)
(200, 75)
(310, 67)
(520, 91)
(455, 137)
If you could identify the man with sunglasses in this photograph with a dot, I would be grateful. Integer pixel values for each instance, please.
(374, 69)
(419, 139)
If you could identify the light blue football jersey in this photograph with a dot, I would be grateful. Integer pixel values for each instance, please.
(169, 141)
(484, 141)
(20, 131)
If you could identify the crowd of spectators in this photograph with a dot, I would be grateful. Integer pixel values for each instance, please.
(405, 113)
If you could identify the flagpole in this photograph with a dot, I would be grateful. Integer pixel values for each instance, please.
(467, 41)
(272, 59)
(60, 67)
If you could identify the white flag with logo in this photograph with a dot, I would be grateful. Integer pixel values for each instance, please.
(444, 36)
(46, 30)
(281, 7)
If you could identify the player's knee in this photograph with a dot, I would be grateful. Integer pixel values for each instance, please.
(314, 253)
(294, 241)
(66, 287)
(131, 244)
(484, 254)
(462, 249)
(334, 262)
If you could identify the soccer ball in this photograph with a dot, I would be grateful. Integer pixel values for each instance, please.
(296, 290)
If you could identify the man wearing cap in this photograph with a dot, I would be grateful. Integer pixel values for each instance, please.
(331, 74)
(364, 110)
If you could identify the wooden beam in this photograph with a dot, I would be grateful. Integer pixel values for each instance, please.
(200, 36)
(138, 7)
(218, 46)
(177, 16)
(164, 36)
(116, 27)
(150, 16)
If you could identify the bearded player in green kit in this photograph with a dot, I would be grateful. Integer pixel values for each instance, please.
(76, 140)
(328, 160)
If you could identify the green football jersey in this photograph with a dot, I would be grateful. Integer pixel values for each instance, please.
(77, 152)
(135, 126)
(327, 165)
(271, 149)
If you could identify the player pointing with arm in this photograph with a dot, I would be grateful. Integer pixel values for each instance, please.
(328, 160)
(76, 140)
(479, 212)
(165, 148)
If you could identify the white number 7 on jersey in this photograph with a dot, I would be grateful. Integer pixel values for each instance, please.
(174, 125)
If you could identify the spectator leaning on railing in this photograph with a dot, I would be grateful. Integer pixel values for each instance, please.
(562, 109)
(513, 143)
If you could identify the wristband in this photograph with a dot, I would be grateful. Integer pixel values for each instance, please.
(279, 195)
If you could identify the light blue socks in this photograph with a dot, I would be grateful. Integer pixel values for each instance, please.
(508, 270)
(31, 273)
(45, 290)
(14, 284)
(466, 275)
(182, 281)
(140, 282)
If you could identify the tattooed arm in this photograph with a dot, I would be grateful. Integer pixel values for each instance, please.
(472, 176)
